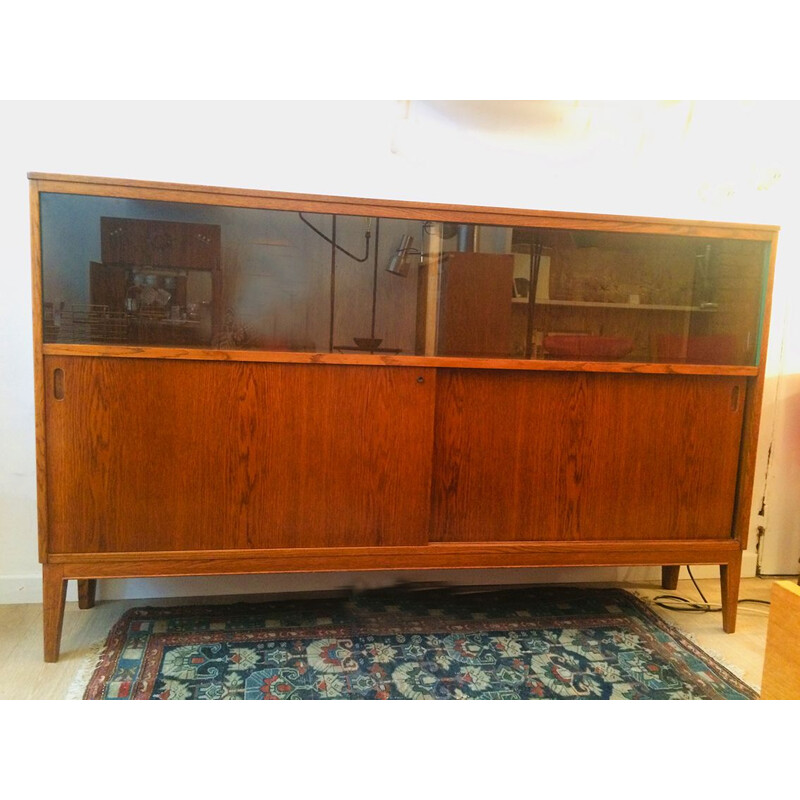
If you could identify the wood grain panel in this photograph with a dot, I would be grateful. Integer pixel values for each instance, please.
(475, 305)
(437, 555)
(581, 457)
(154, 456)
(781, 678)
(752, 416)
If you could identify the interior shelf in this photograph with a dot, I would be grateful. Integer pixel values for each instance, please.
(598, 304)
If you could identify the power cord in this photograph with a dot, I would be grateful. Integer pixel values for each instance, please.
(689, 605)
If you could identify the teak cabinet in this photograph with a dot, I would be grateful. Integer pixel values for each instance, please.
(233, 382)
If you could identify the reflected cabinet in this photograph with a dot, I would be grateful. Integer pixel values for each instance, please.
(235, 381)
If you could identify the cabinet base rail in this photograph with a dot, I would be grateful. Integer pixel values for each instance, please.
(88, 568)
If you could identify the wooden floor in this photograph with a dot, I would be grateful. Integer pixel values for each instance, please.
(25, 676)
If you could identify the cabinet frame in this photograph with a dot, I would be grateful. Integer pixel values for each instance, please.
(58, 568)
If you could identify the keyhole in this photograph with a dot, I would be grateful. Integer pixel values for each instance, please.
(735, 398)
(58, 384)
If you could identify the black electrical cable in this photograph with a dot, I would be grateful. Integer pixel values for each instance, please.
(689, 570)
(689, 605)
(333, 242)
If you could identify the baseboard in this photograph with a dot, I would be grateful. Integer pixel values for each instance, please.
(20, 589)
(749, 566)
(28, 588)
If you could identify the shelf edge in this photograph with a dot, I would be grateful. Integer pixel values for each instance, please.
(358, 359)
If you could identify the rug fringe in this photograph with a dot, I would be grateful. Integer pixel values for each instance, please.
(82, 677)
(720, 659)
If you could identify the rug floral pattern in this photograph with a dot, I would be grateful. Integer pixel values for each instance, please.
(508, 645)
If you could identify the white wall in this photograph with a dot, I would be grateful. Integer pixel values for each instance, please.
(729, 162)
(779, 453)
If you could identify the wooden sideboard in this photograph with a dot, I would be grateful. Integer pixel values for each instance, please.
(232, 382)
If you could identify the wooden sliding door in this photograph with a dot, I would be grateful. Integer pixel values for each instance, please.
(156, 455)
(585, 456)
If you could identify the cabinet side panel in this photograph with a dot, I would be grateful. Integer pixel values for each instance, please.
(584, 457)
(38, 375)
(169, 455)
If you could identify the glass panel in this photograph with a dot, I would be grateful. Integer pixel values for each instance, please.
(119, 271)
(642, 298)
(124, 271)
(572, 295)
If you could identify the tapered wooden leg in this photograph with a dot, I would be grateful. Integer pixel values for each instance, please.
(729, 575)
(54, 596)
(669, 576)
(86, 593)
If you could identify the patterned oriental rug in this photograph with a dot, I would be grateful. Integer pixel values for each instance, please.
(518, 644)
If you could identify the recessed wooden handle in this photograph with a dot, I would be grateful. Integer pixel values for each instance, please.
(58, 384)
(735, 392)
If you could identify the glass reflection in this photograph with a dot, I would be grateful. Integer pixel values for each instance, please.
(147, 273)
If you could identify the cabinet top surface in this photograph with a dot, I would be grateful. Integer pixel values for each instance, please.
(225, 195)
